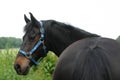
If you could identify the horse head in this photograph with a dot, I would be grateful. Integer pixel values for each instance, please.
(33, 46)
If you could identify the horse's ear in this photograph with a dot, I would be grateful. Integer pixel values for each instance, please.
(26, 19)
(33, 19)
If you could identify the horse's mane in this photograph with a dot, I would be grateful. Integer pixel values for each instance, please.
(92, 65)
(67, 28)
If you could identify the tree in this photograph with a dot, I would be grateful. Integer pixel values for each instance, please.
(118, 39)
(9, 42)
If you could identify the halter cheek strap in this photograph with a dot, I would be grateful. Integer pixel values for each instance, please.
(39, 43)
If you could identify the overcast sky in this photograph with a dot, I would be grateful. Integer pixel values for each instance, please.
(96, 16)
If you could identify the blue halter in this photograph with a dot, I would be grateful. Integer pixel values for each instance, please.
(39, 43)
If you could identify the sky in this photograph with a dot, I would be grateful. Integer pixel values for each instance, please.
(96, 16)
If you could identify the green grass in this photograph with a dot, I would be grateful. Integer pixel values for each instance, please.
(41, 72)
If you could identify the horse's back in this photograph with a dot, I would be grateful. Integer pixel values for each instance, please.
(89, 59)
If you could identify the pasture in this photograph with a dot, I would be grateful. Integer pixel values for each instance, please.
(41, 72)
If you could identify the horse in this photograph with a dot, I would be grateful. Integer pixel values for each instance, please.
(94, 58)
(43, 36)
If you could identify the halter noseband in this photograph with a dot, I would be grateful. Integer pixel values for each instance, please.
(38, 44)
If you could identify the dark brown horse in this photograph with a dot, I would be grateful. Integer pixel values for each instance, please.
(89, 59)
(41, 37)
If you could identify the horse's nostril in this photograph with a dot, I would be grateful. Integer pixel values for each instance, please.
(18, 68)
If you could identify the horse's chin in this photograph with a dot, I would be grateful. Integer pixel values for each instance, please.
(23, 71)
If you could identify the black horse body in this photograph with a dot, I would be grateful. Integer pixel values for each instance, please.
(90, 59)
(57, 37)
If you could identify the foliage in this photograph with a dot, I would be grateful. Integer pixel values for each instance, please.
(41, 72)
(9, 42)
(118, 39)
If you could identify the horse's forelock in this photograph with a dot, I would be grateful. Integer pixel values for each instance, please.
(27, 27)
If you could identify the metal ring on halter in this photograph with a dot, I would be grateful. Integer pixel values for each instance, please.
(28, 55)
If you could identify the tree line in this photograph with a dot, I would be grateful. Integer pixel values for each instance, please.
(10, 42)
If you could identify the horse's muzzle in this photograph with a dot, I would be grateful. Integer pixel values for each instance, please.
(21, 70)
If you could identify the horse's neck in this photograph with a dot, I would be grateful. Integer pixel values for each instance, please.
(58, 38)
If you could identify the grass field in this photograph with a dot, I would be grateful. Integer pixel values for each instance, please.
(42, 72)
